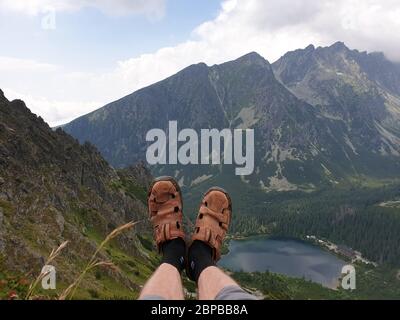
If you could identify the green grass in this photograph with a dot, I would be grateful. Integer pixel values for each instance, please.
(7, 207)
(99, 283)
(278, 287)
(136, 269)
(12, 283)
(131, 188)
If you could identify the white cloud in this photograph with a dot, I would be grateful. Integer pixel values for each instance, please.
(151, 8)
(276, 26)
(24, 65)
(269, 27)
(54, 112)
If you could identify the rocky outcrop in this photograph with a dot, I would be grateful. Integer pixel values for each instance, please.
(53, 189)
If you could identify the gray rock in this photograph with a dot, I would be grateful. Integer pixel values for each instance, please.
(3, 196)
(60, 221)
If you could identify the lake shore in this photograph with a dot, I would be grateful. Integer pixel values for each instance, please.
(292, 257)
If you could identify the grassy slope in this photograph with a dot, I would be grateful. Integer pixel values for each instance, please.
(98, 284)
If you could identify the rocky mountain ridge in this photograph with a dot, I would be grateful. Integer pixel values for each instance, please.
(320, 116)
(53, 189)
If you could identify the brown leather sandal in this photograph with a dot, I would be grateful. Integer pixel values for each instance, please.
(165, 210)
(213, 220)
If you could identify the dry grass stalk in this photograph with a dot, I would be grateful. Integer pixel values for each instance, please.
(93, 262)
(53, 255)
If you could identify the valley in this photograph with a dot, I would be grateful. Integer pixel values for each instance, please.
(326, 163)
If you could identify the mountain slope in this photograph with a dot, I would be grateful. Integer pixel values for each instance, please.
(52, 189)
(358, 90)
(319, 115)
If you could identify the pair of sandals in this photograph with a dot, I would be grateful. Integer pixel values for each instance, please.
(165, 211)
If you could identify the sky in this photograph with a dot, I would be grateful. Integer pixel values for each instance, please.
(66, 58)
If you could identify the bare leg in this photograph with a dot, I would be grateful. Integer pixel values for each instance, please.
(211, 281)
(165, 282)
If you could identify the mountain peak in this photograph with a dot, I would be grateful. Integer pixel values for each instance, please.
(194, 68)
(252, 57)
(310, 47)
(339, 45)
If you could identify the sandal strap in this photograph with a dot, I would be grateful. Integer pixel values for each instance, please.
(166, 232)
(211, 227)
(166, 216)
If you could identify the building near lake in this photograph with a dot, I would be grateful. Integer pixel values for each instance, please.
(346, 252)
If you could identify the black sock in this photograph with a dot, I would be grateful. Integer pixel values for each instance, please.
(200, 256)
(174, 252)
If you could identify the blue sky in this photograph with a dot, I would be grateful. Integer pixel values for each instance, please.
(102, 50)
(90, 39)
